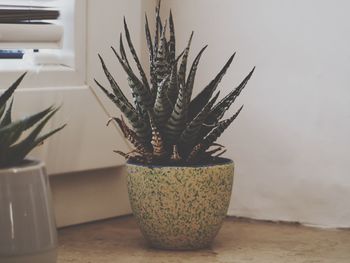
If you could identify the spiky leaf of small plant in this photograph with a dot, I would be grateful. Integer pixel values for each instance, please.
(13, 149)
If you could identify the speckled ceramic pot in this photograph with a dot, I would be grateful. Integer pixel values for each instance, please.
(180, 208)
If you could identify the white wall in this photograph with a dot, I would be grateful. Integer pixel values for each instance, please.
(291, 143)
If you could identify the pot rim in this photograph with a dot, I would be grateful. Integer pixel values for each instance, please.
(223, 161)
(27, 166)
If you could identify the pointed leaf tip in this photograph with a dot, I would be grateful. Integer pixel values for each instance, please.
(23, 75)
(231, 58)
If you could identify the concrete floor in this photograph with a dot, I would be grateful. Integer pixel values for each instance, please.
(239, 241)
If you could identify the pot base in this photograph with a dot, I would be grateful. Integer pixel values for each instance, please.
(180, 247)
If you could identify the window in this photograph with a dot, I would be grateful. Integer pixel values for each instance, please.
(46, 37)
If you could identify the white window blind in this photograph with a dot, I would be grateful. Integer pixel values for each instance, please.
(31, 24)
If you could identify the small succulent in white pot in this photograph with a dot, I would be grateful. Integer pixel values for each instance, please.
(27, 226)
(179, 186)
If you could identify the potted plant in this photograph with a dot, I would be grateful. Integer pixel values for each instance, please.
(179, 186)
(27, 226)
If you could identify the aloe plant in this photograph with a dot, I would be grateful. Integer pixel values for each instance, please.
(18, 138)
(167, 125)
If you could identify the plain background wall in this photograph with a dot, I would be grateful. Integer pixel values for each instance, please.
(291, 143)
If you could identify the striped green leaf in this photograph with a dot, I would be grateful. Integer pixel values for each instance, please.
(210, 139)
(2, 110)
(142, 96)
(178, 118)
(136, 58)
(162, 106)
(183, 65)
(162, 69)
(192, 74)
(122, 51)
(7, 117)
(190, 134)
(219, 110)
(159, 29)
(204, 96)
(172, 40)
(149, 40)
(173, 89)
(114, 85)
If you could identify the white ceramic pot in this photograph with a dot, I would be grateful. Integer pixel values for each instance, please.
(27, 228)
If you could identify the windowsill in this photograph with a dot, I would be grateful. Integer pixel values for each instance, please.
(39, 76)
(16, 65)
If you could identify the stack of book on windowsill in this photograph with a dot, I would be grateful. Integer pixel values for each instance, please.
(26, 14)
(28, 24)
(11, 54)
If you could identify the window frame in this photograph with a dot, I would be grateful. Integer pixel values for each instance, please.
(45, 76)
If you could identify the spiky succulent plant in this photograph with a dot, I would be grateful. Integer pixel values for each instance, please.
(16, 138)
(167, 127)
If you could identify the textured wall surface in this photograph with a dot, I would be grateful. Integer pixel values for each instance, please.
(291, 143)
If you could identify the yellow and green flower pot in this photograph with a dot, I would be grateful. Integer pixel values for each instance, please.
(180, 207)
